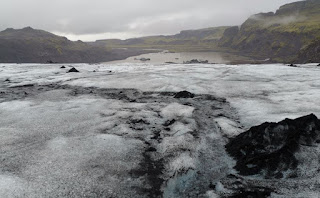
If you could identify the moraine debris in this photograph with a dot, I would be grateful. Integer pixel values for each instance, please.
(184, 94)
(269, 149)
(73, 70)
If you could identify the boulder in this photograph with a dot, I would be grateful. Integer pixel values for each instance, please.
(196, 61)
(144, 59)
(269, 149)
(73, 70)
(292, 65)
(62, 67)
(184, 94)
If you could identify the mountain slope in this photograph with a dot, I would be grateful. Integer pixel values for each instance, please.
(29, 45)
(279, 35)
(187, 40)
(311, 53)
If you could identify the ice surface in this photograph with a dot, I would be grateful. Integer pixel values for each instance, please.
(259, 92)
(228, 126)
(64, 144)
(176, 110)
(211, 194)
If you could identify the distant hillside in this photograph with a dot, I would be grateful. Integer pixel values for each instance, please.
(187, 40)
(291, 34)
(279, 36)
(28, 45)
(310, 54)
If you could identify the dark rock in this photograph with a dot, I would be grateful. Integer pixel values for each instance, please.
(318, 65)
(7, 80)
(184, 94)
(62, 67)
(195, 61)
(143, 59)
(269, 149)
(169, 122)
(292, 65)
(151, 149)
(252, 193)
(50, 61)
(139, 121)
(73, 70)
(243, 189)
(26, 85)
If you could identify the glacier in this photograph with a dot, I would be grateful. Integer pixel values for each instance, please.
(115, 130)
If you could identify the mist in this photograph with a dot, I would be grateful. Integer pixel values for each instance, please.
(278, 20)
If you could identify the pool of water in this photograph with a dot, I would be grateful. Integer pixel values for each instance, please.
(181, 57)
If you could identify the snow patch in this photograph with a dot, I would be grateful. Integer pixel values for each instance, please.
(183, 162)
(176, 110)
(228, 127)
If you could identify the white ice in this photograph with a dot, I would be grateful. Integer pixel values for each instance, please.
(55, 136)
(258, 92)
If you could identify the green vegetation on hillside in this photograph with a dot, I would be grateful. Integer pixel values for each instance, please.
(290, 33)
(279, 36)
(37, 46)
(187, 40)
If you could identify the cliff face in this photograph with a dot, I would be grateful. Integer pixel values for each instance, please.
(310, 54)
(279, 36)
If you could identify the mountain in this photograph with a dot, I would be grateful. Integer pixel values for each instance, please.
(280, 35)
(291, 34)
(28, 45)
(309, 54)
(187, 40)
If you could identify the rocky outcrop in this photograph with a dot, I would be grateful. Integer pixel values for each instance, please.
(184, 94)
(310, 54)
(228, 36)
(269, 149)
(196, 61)
(143, 59)
(72, 70)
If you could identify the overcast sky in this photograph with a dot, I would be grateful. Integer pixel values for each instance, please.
(89, 20)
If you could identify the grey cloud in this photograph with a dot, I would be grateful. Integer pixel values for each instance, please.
(144, 17)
